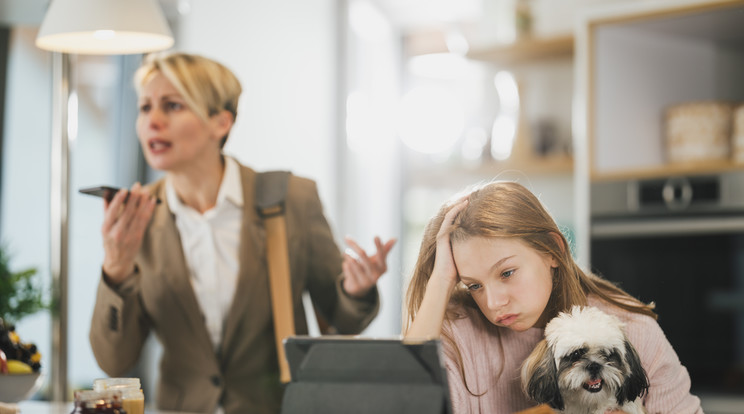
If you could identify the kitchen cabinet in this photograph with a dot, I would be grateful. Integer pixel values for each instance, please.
(632, 61)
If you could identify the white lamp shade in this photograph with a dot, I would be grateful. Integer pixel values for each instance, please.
(104, 27)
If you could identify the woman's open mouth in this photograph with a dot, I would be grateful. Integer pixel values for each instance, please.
(158, 145)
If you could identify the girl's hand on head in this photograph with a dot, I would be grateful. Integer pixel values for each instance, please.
(444, 262)
(430, 315)
(124, 222)
(362, 272)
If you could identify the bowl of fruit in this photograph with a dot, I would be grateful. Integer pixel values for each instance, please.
(20, 367)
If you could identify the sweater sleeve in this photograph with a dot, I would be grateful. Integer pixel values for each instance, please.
(669, 390)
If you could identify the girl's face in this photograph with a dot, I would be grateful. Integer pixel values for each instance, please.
(172, 136)
(510, 281)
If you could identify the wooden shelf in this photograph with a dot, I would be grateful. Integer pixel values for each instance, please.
(526, 50)
(692, 168)
(453, 173)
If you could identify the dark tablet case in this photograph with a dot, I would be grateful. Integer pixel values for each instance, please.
(340, 374)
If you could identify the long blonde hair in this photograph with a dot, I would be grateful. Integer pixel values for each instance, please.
(207, 86)
(509, 210)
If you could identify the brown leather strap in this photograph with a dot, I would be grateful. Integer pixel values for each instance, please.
(277, 256)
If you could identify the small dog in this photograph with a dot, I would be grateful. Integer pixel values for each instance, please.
(585, 365)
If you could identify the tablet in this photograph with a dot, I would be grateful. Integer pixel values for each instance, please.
(344, 374)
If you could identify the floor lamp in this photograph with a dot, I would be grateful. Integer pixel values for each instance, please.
(113, 27)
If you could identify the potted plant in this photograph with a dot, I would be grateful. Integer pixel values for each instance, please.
(20, 295)
(20, 362)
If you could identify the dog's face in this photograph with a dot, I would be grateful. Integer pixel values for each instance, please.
(584, 361)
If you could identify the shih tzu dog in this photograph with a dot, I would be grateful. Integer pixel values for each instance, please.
(585, 365)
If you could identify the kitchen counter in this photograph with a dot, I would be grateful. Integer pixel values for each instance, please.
(43, 407)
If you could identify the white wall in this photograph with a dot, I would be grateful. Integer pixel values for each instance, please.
(286, 55)
(283, 52)
(26, 173)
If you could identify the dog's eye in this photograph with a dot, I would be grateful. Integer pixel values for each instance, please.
(614, 357)
(576, 355)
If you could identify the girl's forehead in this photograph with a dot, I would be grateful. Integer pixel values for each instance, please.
(493, 243)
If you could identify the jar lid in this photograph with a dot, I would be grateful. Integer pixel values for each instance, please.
(116, 383)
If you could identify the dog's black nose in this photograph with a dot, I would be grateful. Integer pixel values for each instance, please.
(594, 369)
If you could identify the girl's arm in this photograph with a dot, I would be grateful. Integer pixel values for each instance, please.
(430, 315)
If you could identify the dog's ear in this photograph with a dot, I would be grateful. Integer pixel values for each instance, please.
(636, 382)
(540, 377)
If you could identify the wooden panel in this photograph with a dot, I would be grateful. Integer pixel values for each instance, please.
(540, 409)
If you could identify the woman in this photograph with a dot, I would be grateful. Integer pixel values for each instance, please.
(192, 268)
(493, 269)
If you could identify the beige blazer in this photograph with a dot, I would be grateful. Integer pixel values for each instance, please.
(243, 375)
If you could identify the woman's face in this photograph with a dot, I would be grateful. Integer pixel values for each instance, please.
(173, 137)
(510, 281)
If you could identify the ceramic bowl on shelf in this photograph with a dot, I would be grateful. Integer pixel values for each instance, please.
(18, 387)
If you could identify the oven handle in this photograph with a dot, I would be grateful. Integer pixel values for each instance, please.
(668, 227)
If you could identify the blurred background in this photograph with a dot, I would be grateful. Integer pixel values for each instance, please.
(392, 106)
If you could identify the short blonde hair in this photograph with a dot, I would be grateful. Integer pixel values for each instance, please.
(207, 86)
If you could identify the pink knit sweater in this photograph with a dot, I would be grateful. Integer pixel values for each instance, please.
(492, 359)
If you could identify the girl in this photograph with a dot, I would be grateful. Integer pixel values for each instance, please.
(493, 269)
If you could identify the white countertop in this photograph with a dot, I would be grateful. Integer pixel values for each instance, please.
(43, 407)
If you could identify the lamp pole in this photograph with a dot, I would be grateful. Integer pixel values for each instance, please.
(76, 26)
(60, 182)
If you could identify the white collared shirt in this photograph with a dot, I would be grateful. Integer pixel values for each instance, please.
(211, 243)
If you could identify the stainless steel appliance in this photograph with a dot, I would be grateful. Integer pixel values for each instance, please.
(679, 241)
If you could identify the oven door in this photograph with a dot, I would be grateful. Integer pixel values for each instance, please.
(692, 267)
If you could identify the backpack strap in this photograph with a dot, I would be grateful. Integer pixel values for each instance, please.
(271, 191)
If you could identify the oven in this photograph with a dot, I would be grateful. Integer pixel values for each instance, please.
(679, 242)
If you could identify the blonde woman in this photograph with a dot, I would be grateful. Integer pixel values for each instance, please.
(493, 269)
(192, 268)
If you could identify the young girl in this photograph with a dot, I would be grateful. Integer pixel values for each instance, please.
(493, 269)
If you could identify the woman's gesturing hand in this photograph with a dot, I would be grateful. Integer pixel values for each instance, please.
(362, 272)
(124, 222)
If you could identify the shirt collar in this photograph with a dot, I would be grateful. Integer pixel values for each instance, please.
(231, 189)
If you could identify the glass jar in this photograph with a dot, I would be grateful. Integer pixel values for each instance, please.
(98, 402)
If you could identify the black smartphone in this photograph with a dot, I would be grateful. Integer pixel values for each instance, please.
(105, 191)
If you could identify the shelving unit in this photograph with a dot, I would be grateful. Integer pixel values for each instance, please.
(639, 63)
(522, 57)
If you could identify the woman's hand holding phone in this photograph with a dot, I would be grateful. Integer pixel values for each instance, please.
(125, 219)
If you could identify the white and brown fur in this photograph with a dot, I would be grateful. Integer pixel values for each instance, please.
(585, 365)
